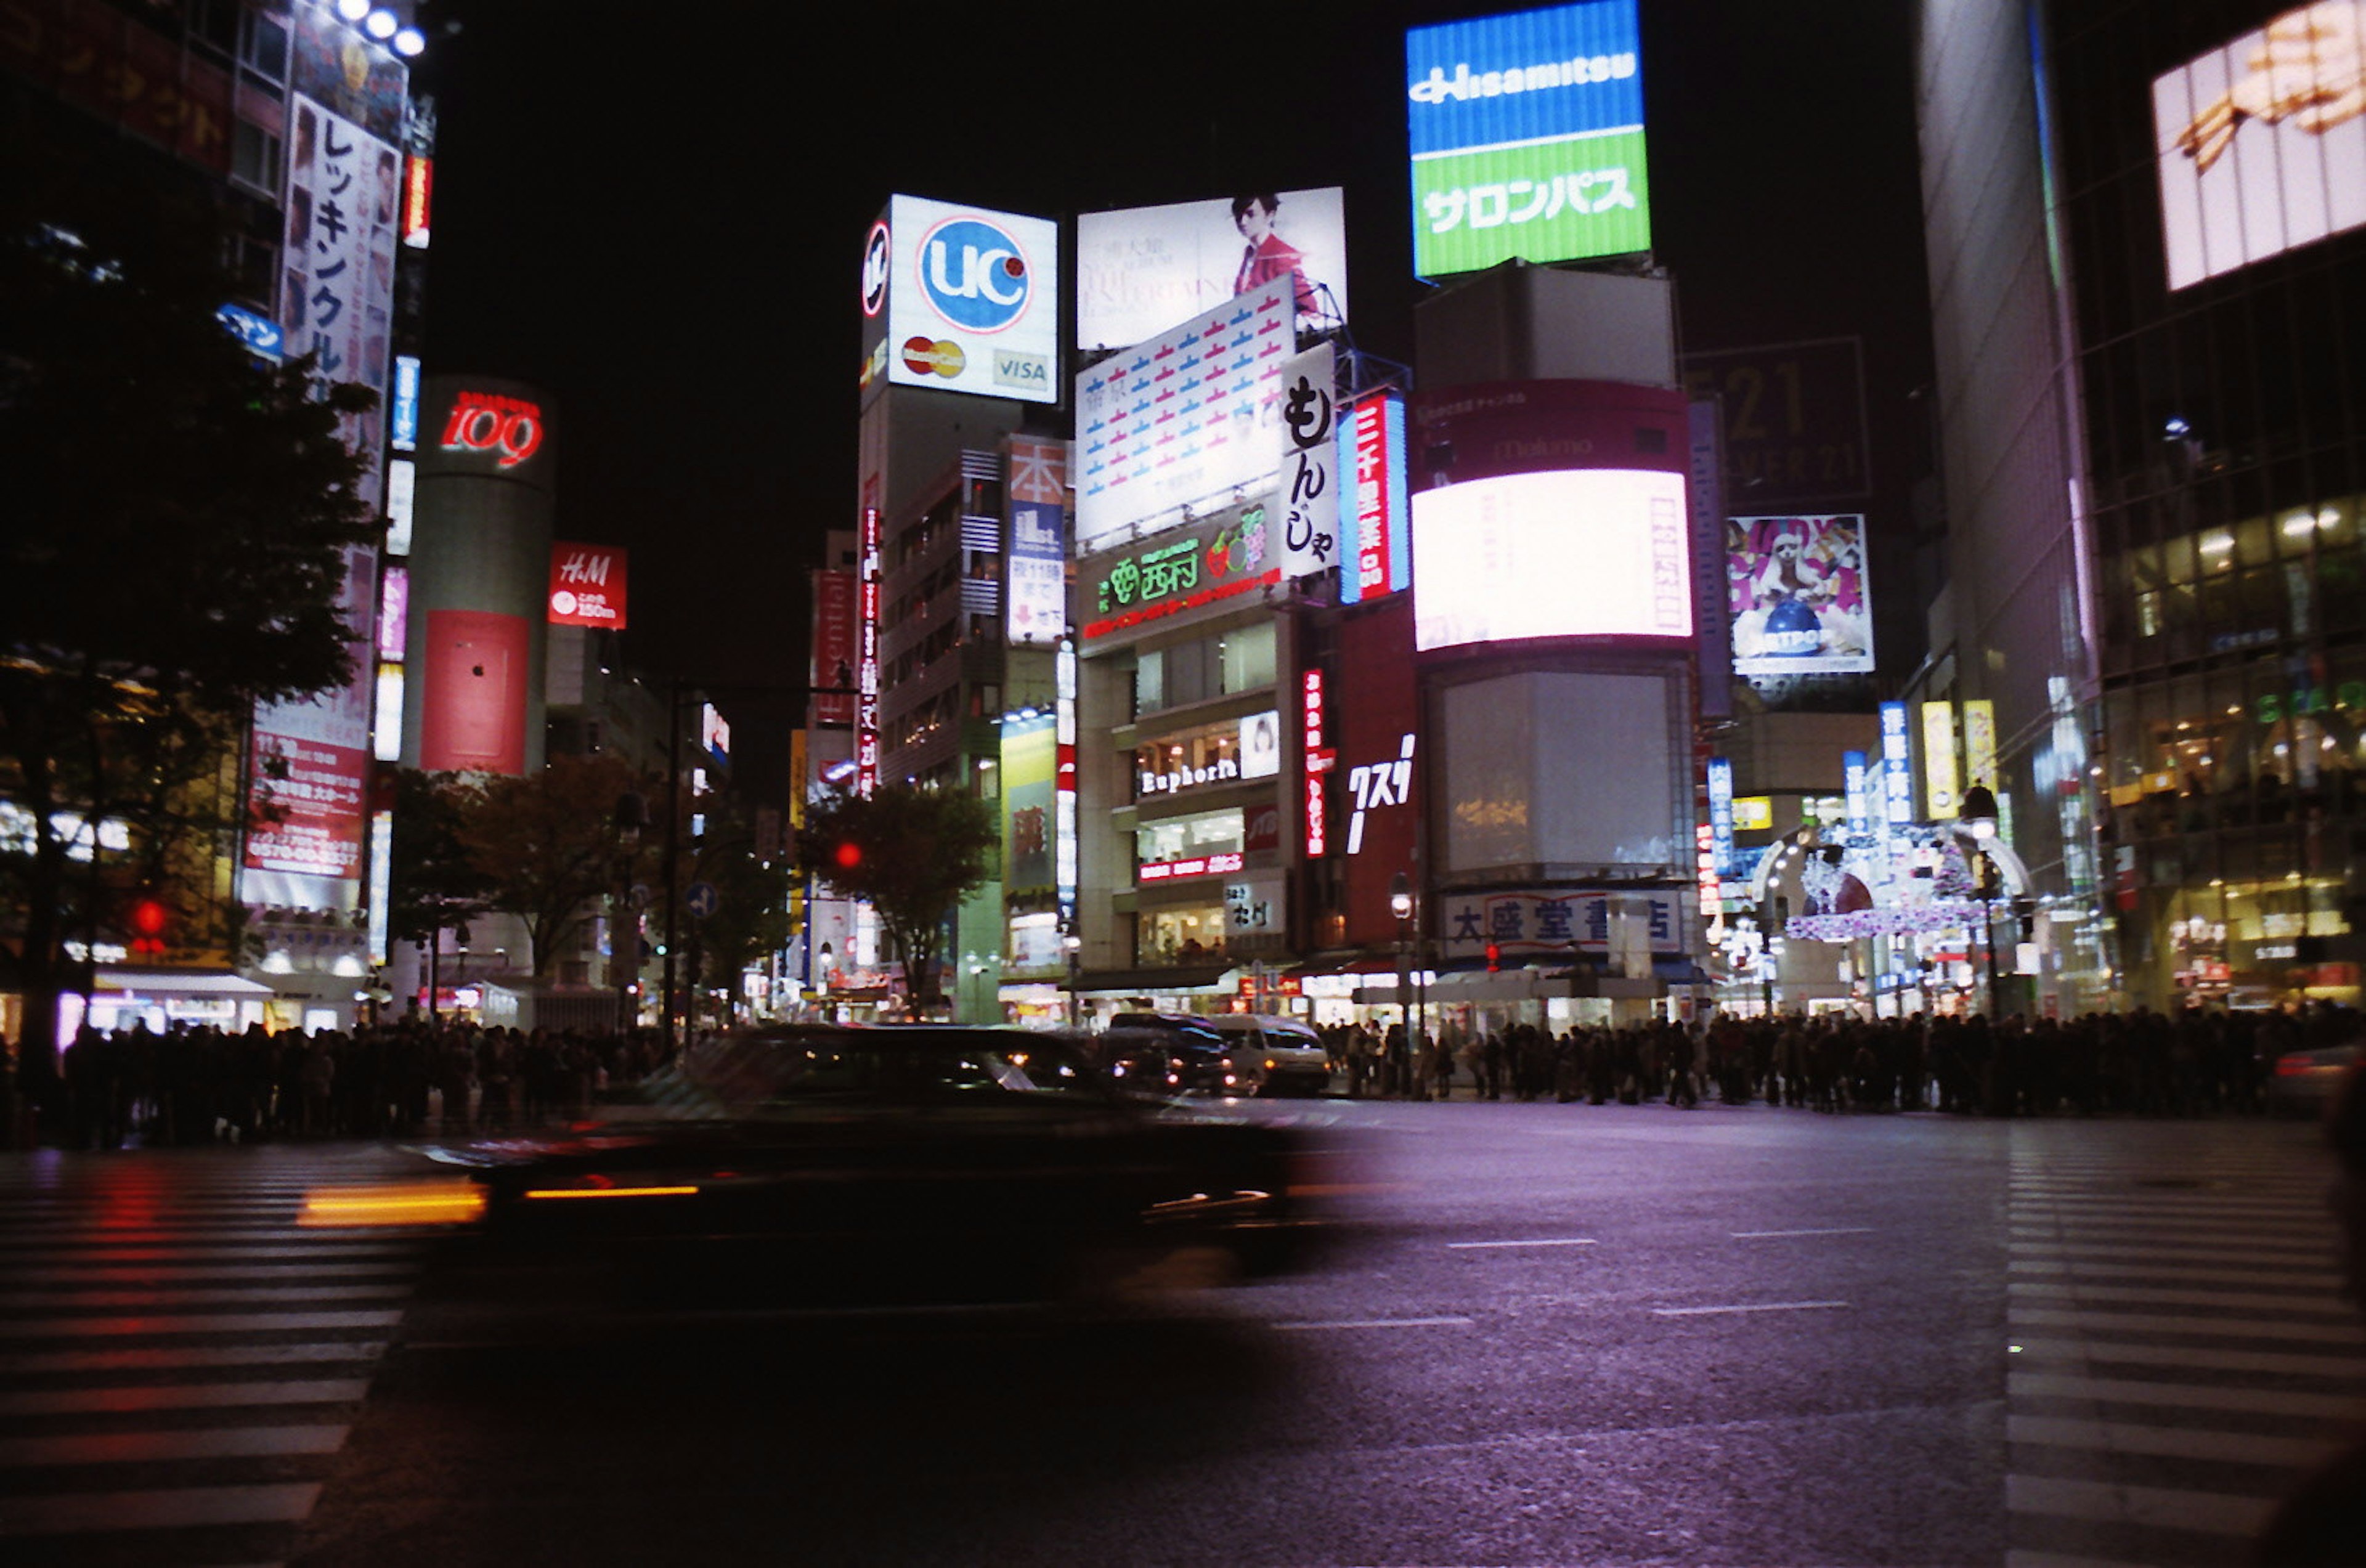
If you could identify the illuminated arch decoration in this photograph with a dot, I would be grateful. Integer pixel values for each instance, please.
(1921, 881)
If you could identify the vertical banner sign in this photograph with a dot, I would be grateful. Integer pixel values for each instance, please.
(1038, 599)
(866, 684)
(1029, 808)
(1064, 781)
(1979, 743)
(337, 296)
(1720, 810)
(1860, 797)
(1897, 767)
(1942, 786)
(835, 643)
(308, 813)
(418, 180)
(587, 586)
(1316, 753)
(1309, 491)
(1383, 554)
(1705, 494)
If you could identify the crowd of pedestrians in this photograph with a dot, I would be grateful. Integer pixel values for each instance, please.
(134, 1086)
(2193, 1062)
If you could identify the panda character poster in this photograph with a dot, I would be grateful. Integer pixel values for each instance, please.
(1796, 596)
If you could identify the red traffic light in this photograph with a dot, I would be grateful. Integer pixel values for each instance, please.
(148, 918)
(848, 855)
(1494, 958)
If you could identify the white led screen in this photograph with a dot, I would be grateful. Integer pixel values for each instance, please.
(2262, 143)
(1572, 773)
(973, 300)
(1586, 552)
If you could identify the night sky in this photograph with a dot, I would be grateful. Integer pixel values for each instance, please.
(659, 219)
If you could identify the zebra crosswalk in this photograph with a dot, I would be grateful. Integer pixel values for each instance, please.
(2179, 1355)
(179, 1362)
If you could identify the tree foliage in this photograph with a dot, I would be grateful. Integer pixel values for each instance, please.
(549, 844)
(172, 545)
(433, 884)
(910, 853)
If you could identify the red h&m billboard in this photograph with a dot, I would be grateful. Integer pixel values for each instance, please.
(1372, 720)
(473, 710)
(587, 586)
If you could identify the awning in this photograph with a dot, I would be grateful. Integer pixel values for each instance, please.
(176, 983)
(1135, 982)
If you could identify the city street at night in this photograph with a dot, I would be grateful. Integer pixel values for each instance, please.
(1556, 1334)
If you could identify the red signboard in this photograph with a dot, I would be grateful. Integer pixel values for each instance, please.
(92, 55)
(1373, 490)
(1195, 865)
(418, 179)
(835, 645)
(587, 586)
(473, 709)
(1372, 718)
(307, 807)
(866, 663)
(509, 429)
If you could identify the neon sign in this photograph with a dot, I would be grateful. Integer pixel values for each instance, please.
(486, 422)
(1318, 760)
(1194, 865)
(417, 177)
(866, 666)
(1376, 785)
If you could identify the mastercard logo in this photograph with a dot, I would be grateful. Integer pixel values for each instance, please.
(941, 355)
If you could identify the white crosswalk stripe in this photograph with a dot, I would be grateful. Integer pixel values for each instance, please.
(179, 1363)
(2179, 1355)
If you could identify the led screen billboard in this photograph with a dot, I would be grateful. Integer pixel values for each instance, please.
(1577, 771)
(1575, 552)
(1143, 269)
(1796, 592)
(973, 300)
(1526, 137)
(2262, 143)
(1185, 418)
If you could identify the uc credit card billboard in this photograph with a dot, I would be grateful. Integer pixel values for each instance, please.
(1526, 137)
(972, 299)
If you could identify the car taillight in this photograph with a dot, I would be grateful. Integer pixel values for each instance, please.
(2292, 1067)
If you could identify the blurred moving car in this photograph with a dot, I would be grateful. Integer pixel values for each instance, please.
(1281, 1056)
(2304, 1082)
(867, 1165)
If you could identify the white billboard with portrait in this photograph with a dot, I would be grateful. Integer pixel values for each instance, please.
(1140, 270)
(1573, 552)
(2262, 143)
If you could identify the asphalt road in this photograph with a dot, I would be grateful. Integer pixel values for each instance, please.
(1560, 1335)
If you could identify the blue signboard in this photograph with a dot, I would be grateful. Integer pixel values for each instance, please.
(260, 333)
(406, 404)
(1860, 797)
(1720, 811)
(1526, 137)
(1897, 766)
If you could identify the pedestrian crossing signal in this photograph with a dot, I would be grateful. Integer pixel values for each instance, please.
(149, 920)
(1494, 958)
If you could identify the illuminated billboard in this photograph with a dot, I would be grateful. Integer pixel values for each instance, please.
(1030, 769)
(1526, 137)
(2262, 143)
(1375, 548)
(587, 586)
(1795, 591)
(1177, 574)
(306, 809)
(1575, 552)
(1035, 607)
(336, 297)
(1185, 418)
(972, 298)
(1143, 269)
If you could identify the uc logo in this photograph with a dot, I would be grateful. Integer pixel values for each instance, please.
(975, 275)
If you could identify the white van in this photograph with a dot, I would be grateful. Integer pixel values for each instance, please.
(1283, 1055)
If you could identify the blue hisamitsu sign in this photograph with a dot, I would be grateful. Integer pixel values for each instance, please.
(1526, 137)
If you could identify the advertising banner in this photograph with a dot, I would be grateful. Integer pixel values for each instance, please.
(1548, 922)
(1705, 492)
(1979, 743)
(1037, 604)
(1030, 755)
(337, 295)
(307, 807)
(1796, 592)
(1897, 767)
(97, 58)
(587, 586)
(1310, 464)
(1257, 905)
(1526, 137)
(1374, 540)
(337, 65)
(2262, 143)
(1142, 270)
(1942, 777)
(1581, 552)
(1794, 423)
(1371, 775)
(1185, 418)
(973, 300)
(1176, 573)
(1720, 810)
(473, 707)
(831, 671)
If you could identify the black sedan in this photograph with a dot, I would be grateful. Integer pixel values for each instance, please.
(846, 1165)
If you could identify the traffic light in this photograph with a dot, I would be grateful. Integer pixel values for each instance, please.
(848, 854)
(1494, 958)
(147, 920)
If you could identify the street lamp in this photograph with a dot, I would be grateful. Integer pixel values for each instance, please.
(1074, 947)
(1400, 906)
(1978, 816)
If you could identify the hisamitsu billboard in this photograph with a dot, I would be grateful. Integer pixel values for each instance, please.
(1526, 137)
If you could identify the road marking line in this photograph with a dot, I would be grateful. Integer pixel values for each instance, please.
(2169, 1323)
(1835, 1230)
(2342, 1367)
(161, 1356)
(2298, 1303)
(2170, 1442)
(225, 1323)
(181, 1396)
(1763, 1306)
(1383, 1322)
(148, 1447)
(79, 1513)
(1558, 1241)
(2208, 1513)
(2180, 1395)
